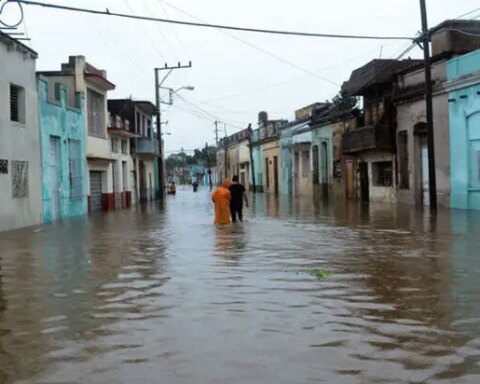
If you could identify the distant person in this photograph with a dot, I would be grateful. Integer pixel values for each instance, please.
(172, 189)
(195, 186)
(221, 199)
(239, 194)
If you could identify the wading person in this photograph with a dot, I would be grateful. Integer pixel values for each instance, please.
(221, 199)
(239, 194)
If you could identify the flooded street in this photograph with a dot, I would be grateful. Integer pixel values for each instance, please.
(161, 295)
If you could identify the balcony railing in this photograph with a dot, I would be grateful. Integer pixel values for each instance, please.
(372, 137)
(146, 146)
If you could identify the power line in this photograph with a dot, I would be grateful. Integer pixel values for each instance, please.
(207, 25)
(256, 47)
(468, 13)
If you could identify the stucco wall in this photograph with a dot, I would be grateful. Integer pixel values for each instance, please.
(59, 120)
(257, 153)
(380, 194)
(271, 150)
(19, 142)
(464, 114)
(407, 116)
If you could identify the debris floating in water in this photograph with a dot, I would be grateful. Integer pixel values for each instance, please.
(320, 273)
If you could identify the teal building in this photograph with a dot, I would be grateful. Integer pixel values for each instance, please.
(464, 114)
(286, 157)
(64, 164)
(322, 155)
(257, 157)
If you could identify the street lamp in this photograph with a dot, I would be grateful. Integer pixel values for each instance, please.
(174, 91)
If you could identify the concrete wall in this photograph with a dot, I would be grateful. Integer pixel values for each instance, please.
(322, 137)
(19, 141)
(271, 150)
(286, 165)
(379, 194)
(258, 166)
(408, 115)
(120, 184)
(464, 114)
(63, 122)
(302, 172)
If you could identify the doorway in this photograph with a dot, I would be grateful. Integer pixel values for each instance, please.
(55, 177)
(95, 191)
(296, 176)
(275, 173)
(315, 160)
(364, 182)
(324, 163)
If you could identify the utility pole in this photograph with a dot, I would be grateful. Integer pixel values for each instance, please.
(209, 167)
(429, 108)
(251, 158)
(216, 132)
(158, 83)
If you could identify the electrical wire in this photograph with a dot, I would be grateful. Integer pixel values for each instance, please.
(206, 25)
(20, 7)
(468, 13)
(256, 47)
(177, 37)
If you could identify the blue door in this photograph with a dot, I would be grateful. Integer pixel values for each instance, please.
(474, 161)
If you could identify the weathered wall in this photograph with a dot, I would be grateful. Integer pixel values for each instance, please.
(464, 114)
(19, 141)
(302, 172)
(59, 120)
(379, 194)
(271, 150)
(258, 167)
(408, 115)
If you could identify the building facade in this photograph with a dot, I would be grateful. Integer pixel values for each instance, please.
(20, 159)
(80, 76)
(464, 119)
(145, 148)
(123, 182)
(64, 165)
(372, 143)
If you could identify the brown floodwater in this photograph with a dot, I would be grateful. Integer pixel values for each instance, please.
(161, 295)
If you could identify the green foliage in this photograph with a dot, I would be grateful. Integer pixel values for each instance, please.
(199, 157)
(320, 273)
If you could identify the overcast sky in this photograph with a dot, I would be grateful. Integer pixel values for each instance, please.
(235, 74)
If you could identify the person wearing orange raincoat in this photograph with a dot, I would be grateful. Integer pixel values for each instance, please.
(221, 199)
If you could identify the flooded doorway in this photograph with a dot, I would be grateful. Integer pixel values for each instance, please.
(425, 176)
(275, 173)
(364, 182)
(55, 176)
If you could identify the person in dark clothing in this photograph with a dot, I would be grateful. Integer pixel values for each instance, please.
(239, 194)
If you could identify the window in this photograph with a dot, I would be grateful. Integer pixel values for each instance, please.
(17, 104)
(382, 173)
(305, 163)
(403, 159)
(75, 168)
(96, 113)
(19, 179)
(3, 166)
(267, 174)
(114, 145)
(316, 178)
(149, 128)
(125, 147)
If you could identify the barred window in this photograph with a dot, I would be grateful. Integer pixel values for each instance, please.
(17, 104)
(19, 179)
(96, 113)
(75, 168)
(114, 145)
(382, 173)
(3, 166)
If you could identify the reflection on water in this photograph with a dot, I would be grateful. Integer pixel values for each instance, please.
(162, 295)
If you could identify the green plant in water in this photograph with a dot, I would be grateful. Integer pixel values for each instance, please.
(320, 273)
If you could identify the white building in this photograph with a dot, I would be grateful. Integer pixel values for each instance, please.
(119, 131)
(20, 162)
(80, 76)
